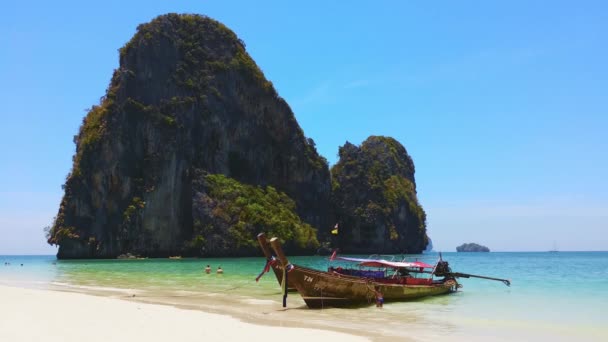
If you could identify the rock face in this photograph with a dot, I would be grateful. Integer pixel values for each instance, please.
(374, 198)
(472, 247)
(186, 102)
(429, 246)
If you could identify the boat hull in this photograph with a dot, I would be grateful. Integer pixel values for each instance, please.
(278, 272)
(321, 289)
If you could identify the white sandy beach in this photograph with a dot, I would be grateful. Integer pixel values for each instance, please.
(49, 316)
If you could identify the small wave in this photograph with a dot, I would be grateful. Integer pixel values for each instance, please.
(259, 301)
(95, 288)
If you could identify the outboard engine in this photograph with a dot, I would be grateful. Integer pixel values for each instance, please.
(442, 269)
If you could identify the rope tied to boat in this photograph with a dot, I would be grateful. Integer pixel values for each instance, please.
(375, 293)
(269, 262)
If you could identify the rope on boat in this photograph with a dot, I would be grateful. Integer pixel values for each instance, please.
(376, 294)
(269, 262)
(189, 295)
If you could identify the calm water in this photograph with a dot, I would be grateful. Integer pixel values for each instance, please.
(562, 296)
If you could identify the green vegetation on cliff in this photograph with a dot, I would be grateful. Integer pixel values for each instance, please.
(374, 198)
(225, 205)
(191, 35)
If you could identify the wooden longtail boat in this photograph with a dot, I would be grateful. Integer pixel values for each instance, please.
(320, 289)
(337, 288)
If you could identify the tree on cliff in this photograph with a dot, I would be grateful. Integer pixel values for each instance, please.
(374, 198)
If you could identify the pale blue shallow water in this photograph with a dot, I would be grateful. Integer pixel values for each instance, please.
(559, 296)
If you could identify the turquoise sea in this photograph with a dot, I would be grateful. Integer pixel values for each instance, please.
(559, 296)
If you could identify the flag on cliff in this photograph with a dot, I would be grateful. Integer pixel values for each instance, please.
(335, 230)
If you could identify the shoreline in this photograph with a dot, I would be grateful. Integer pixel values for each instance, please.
(481, 312)
(262, 312)
(70, 316)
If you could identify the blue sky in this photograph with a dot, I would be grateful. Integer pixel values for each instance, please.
(502, 105)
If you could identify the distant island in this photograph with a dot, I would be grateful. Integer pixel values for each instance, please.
(472, 247)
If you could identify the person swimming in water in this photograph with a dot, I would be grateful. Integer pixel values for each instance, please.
(220, 270)
(208, 269)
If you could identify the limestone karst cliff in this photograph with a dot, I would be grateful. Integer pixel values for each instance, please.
(187, 103)
(191, 152)
(374, 199)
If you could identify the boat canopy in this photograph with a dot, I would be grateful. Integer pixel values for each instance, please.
(385, 263)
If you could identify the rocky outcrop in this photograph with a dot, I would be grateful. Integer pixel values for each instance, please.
(374, 199)
(187, 101)
(472, 247)
(429, 246)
